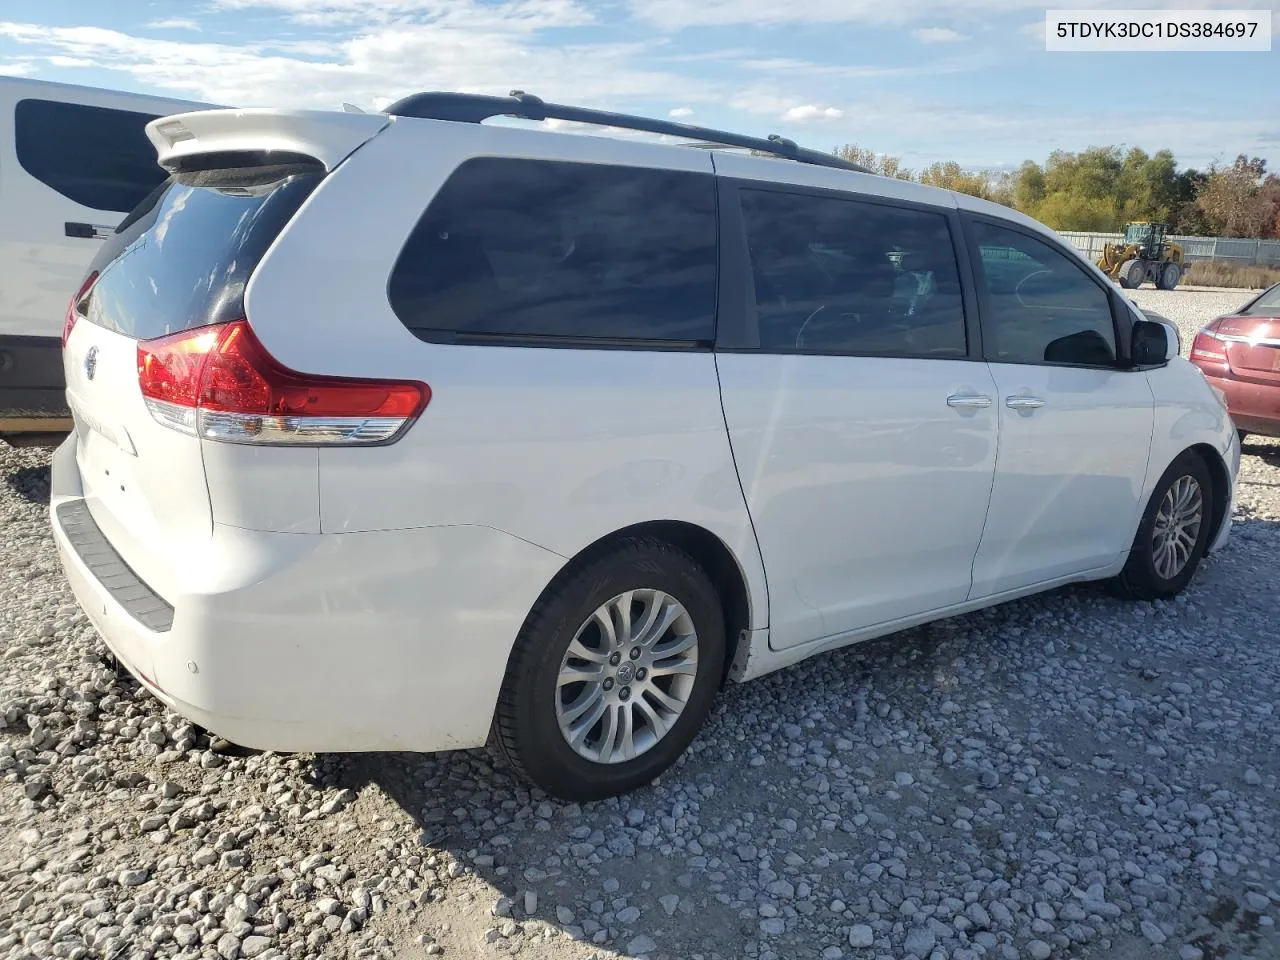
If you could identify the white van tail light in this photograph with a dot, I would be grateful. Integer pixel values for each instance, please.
(219, 383)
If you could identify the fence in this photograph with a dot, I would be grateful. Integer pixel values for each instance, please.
(1195, 248)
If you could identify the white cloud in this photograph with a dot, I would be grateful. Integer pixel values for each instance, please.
(678, 14)
(810, 111)
(174, 23)
(382, 62)
(16, 68)
(524, 14)
(938, 35)
(490, 46)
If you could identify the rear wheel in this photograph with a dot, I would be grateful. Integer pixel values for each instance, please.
(613, 673)
(1170, 274)
(1173, 534)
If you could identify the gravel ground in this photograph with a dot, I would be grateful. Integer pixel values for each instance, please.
(1065, 776)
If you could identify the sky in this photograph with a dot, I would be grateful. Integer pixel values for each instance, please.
(924, 80)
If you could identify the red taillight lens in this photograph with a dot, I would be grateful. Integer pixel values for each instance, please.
(73, 308)
(239, 392)
(169, 368)
(1208, 347)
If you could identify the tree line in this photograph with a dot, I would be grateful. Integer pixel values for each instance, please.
(1103, 188)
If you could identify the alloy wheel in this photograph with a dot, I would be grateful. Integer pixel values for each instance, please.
(1177, 526)
(627, 676)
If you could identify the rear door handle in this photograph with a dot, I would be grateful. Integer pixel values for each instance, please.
(1023, 403)
(968, 401)
(88, 231)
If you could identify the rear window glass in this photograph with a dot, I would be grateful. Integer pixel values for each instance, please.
(1267, 305)
(539, 249)
(183, 258)
(94, 156)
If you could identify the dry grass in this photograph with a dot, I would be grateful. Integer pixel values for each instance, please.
(1216, 273)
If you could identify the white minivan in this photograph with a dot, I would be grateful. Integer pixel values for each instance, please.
(403, 431)
(73, 161)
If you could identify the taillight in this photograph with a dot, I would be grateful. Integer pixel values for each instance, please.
(220, 383)
(75, 307)
(1209, 346)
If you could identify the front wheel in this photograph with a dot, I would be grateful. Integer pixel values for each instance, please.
(614, 671)
(1173, 534)
(1133, 273)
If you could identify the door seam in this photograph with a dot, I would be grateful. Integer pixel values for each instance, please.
(737, 475)
(991, 493)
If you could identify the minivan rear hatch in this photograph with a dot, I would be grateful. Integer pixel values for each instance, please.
(178, 262)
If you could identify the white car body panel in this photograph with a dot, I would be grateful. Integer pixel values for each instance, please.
(842, 460)
(1068, 479)
(42, 265)
(342, 598)
(143, 482)
(489, 449)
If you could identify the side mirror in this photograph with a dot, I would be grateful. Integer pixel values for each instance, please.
(1149, 346)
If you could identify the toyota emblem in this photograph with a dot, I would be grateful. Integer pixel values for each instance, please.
(91, 362)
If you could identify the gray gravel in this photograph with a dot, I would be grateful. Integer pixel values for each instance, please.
(1065, 776)
(1190, 308)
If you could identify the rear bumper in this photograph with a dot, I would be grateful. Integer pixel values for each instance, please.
(393, 640)
(1255, 407)
(32, 387)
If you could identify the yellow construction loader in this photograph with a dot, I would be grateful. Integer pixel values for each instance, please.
(1144, 255)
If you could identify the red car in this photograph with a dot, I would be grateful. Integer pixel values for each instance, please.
(1240, 355)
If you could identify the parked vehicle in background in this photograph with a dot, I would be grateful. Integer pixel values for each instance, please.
(1239, 354)
(1144, 255)
(73, 161)
(395, 430)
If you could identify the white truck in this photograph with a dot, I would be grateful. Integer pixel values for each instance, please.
(73, 162)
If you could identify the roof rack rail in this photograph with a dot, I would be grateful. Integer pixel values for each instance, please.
(475, 108)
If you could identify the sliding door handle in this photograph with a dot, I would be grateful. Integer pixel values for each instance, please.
(1023, 403)
(968, 401)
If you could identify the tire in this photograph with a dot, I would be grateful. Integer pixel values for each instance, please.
(1145, 575)
(535, 701)
(1170, 274)
(1122, 275)
(1133, 273)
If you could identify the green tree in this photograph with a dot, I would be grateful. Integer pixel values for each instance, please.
(881, 163)
(1064, 210)
(1004, 188)
(1186, 217)
(1028, 187)
(951, 176)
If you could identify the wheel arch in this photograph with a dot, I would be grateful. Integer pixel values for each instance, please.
(712, 554)
(1221, 486)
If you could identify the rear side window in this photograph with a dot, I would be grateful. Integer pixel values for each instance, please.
(1043, 307)
(847, 277)
(183, 259)
(94, 156)
(532, 249)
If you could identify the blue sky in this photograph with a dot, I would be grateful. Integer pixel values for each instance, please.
(965, 80)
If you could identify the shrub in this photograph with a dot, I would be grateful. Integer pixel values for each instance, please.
(1219, 273)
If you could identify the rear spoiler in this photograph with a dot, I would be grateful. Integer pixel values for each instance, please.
(329, 137)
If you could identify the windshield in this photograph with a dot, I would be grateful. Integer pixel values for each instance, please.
(1267, 305)
(182, 259)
